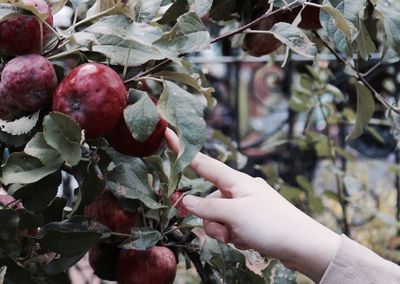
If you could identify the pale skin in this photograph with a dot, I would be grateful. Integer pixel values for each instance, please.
(249, 213)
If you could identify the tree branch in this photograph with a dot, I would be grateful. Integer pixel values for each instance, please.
(268, 14)
(360, 76)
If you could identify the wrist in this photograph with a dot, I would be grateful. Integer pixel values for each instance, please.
(312, 249)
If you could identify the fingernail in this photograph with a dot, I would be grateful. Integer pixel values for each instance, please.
(190, 201)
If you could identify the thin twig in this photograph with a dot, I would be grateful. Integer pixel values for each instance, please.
(373, 68)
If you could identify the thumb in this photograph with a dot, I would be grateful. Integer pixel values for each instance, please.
(213, 209)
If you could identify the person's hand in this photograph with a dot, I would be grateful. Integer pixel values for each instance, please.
(249, 213)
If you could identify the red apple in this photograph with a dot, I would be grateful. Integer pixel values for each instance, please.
(121, 139)
(21, 34)
(30, 81)
(105, 209)
(156, 265)
(94, 95)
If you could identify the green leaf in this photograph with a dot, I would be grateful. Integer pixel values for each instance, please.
(315, 203)
(290, 193)
(130, 181)
(141, 117)
(63, 133)
(365, 110)
(146, 10)
(142, 239)
(341, 22)
(354, 11)
(391, 23)
(182, 110)
(124, 42)
(188, 79)
(69, 238)
(188, 35)
(323, 147)
(133, 175)
(337, 33)
(294, 38)
(38, 148)
(364, 42)
(38, 195)
(23, 169)
(229, 262)
(304, 183)
(9, 219)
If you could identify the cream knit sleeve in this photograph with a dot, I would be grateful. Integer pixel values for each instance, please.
(356, 264)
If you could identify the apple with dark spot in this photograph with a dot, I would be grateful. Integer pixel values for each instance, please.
(30, 80)
(94, 95)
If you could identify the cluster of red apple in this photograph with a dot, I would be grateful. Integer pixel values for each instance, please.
(92, 93)
(258, 44)
(154, 265)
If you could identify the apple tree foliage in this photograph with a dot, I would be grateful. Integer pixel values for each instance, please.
(148, 41)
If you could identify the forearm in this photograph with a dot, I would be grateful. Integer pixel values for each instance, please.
(311, 247)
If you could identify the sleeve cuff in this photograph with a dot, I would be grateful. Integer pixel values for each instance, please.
(354, 263)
